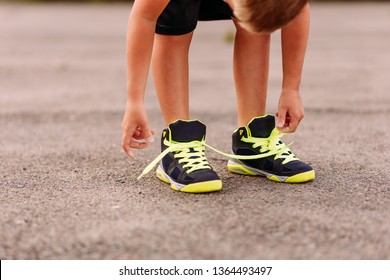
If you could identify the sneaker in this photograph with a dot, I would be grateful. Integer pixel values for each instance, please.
(261, 136)
(184, 165)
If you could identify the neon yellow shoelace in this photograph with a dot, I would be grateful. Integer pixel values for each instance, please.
(274, 145)
(192, 154)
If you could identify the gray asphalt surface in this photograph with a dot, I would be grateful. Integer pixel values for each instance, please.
(67, 191)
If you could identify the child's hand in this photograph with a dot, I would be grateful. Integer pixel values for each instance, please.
(290, 112)
(136, 131)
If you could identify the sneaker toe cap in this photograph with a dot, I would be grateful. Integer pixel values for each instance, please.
(296, 167)
(201, 176)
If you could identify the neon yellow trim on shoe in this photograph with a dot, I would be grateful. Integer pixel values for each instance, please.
(298, 178)
(240, 169)
(302, 177)
(200, 187)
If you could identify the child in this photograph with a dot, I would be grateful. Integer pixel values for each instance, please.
(183, 163)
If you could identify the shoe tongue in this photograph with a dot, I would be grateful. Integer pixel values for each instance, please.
(187, 131)
(262, 127)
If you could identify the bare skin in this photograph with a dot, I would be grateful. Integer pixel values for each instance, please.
(171, 79)
(142, 21)
(251, 58)
(294, 43)
(251, 65)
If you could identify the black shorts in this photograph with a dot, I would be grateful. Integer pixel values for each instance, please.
(181, 16)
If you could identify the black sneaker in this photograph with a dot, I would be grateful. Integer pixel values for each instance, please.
(261, 136)
(185, 166)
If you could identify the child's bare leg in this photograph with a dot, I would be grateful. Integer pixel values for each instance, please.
(170, 72)
(251, 74)
(251, 65)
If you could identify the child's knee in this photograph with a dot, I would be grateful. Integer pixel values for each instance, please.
(265, 38)
(175, 39)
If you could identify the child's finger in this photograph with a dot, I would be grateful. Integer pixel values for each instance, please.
(293, 124)
(143, 132)
(281, 119)
(126, 145)
(148, 135)
(137, 134)
(138, 144)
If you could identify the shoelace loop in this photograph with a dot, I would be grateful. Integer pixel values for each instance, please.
(274, 145)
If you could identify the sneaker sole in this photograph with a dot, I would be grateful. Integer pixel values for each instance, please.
(202, 187)
(242, 169)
